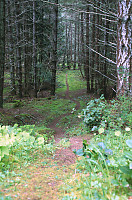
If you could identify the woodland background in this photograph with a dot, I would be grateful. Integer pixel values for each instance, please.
(37, 38)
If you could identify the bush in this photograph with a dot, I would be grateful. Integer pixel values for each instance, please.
(112, 114)
(94, 112)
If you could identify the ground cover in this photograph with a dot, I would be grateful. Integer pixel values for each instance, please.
(79, 161)
(75, 81)
(14, 176)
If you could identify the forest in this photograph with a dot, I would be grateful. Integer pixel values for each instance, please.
(65, 99)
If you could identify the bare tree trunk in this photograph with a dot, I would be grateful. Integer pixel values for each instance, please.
(2, 49)
(82, 43)
(19, 64)
(67, 49)
(53, 81)
(75, 45)
(34, 50)
(124, 48)
(79, 49)
(11, 52)
(86, 69)
(71, 41)
(93, 53)
(105, 54)
(97, 50)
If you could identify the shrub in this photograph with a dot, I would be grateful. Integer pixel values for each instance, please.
(94, 112)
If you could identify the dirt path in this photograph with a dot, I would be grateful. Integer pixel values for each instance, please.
(66, 155)
(44, 178)
(59, 132)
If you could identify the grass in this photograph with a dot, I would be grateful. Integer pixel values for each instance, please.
(31, 171)
(75, 81)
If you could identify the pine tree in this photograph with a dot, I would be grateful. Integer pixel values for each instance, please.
(2, 49)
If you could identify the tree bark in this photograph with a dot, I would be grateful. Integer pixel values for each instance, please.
(93, 53)
(10, 51)
(2, 49)
(105, 54)
(19, 64)
(75, 45)
(86, 69)
(54, 67)
(97, 50)
(34, 50)
(71, 42)
(124, 48)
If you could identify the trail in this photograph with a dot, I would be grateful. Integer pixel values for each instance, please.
(45, 176)
(59, 132)
(66, 155)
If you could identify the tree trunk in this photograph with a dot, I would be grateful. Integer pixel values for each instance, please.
(79, 49)
(105, 54)
(82, 56)
(93, 53)
(34, 50)
(11, 52)
(75, 45)
(19, 64)
(54, 67)
(71, 42)
(86, 69)
(67, 47)
(97, 50)
(2, 49)
(124, 48)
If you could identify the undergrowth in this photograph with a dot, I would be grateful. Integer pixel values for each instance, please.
(103, 170)
(104, 166)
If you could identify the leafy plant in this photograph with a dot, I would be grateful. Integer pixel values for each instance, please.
(127, 169)
(93, 114)
(14, 139)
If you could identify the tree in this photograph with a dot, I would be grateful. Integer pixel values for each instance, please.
(34, 50)
(2, 49)
(18, 46)
(124, 48)
(55, 32)
(86, 69)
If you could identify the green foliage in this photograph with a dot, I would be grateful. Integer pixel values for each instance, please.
(17, 143)
(115, 114)
(119, 113)
(93, 114)
(104, 166)
(128, 168)
(99, 164)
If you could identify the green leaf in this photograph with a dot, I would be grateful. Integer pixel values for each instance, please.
(130, 165)
(129, 143)
(128, 155)
(4, 151)
(126, 170)
(115, 182)
(79, 152)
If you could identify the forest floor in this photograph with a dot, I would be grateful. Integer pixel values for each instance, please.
(46, 177)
